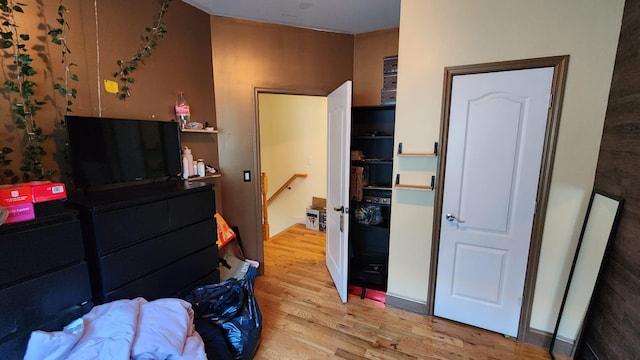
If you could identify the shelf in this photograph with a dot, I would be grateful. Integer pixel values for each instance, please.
(418, 154)
(413, 187)
(203, 131)
(373, 161)
(374, 137)
(400, 186)
(373, 187)
(197, 178)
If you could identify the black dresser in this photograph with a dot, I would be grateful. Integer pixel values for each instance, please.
(44, 282)
(153, 240)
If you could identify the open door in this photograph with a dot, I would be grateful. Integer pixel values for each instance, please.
(338, 171)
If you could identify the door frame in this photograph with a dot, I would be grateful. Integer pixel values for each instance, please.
(257, 161)
(560, 65)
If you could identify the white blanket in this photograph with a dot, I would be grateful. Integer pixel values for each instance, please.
(124, 329)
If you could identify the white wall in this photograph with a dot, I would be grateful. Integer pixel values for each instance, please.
(293, 139)
(435, 34)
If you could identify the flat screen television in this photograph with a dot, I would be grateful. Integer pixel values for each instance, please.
(106, 151)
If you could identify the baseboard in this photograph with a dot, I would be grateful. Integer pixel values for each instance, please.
(406, 304)
(538, 338)
(543, 339)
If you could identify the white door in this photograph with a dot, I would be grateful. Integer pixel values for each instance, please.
(338, 172)
(496, 136)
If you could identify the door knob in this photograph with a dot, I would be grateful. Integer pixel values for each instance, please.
(451, 217)
(340, 209)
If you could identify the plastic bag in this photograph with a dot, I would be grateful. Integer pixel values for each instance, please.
(218, 302)
(244, 330)
(232, 306)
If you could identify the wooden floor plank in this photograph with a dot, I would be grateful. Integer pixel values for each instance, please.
(303, 317)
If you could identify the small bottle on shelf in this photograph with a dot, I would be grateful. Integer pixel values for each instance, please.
(187, 160)
(183, 111)
(201, 169)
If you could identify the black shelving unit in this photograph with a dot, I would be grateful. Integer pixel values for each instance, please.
(372, 149)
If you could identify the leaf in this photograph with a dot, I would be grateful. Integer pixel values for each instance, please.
(74, 77)
(24, 37)
(7, 150)
(17, 8)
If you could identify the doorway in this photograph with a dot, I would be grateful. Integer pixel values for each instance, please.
(445, 219)
(291, 140)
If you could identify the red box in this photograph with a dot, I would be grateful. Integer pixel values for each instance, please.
(20, 212)
(42, 191)
(14, 195)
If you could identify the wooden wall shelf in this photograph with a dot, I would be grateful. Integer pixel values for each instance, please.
(198, 178)
(401, 186)
(203, 131)
(418, 154)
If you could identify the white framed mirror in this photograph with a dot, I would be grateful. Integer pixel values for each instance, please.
(596, 236)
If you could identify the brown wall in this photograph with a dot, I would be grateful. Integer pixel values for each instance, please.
(249, 55)
(370, 49)
(612, 330)
(182, 61)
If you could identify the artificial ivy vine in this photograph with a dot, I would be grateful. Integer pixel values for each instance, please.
(58, 38)
(151, 38)
(24, 106)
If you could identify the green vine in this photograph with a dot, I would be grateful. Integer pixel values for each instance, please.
(24, 106)
(150, 42)
(58, 38)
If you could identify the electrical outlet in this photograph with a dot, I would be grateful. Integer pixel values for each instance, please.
(246, 175)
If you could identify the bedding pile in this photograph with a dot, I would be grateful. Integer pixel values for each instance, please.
(134, 329)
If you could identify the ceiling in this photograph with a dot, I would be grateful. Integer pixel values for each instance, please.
(342, 16)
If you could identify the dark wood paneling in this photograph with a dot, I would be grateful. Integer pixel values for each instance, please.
(613, 325)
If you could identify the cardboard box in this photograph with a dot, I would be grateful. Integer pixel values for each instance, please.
(42, 191)
(20, 212)
(313, 219)
(14, 195)
(318, 203)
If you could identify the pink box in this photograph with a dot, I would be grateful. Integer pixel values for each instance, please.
(14, 195)
(42, 191)
(20, 212)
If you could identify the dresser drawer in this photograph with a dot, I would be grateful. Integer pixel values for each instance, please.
(120, 227)
(171, 280)
(136, 261)
(33, 250)
(30, 303)
(194, 207)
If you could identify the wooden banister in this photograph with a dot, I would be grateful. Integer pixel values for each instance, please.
(265, 214)
(286, 185)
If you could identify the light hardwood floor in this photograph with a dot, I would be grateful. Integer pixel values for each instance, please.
(303, 317)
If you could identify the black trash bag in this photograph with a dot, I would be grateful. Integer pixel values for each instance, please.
(244, 330)
(218, 302)
(232, 306)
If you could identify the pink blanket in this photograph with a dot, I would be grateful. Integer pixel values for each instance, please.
(124, 329)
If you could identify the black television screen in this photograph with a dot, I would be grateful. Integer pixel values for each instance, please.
(106, 151)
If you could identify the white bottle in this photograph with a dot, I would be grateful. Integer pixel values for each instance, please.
(201, 169)
(187, 161)
(183, 111)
